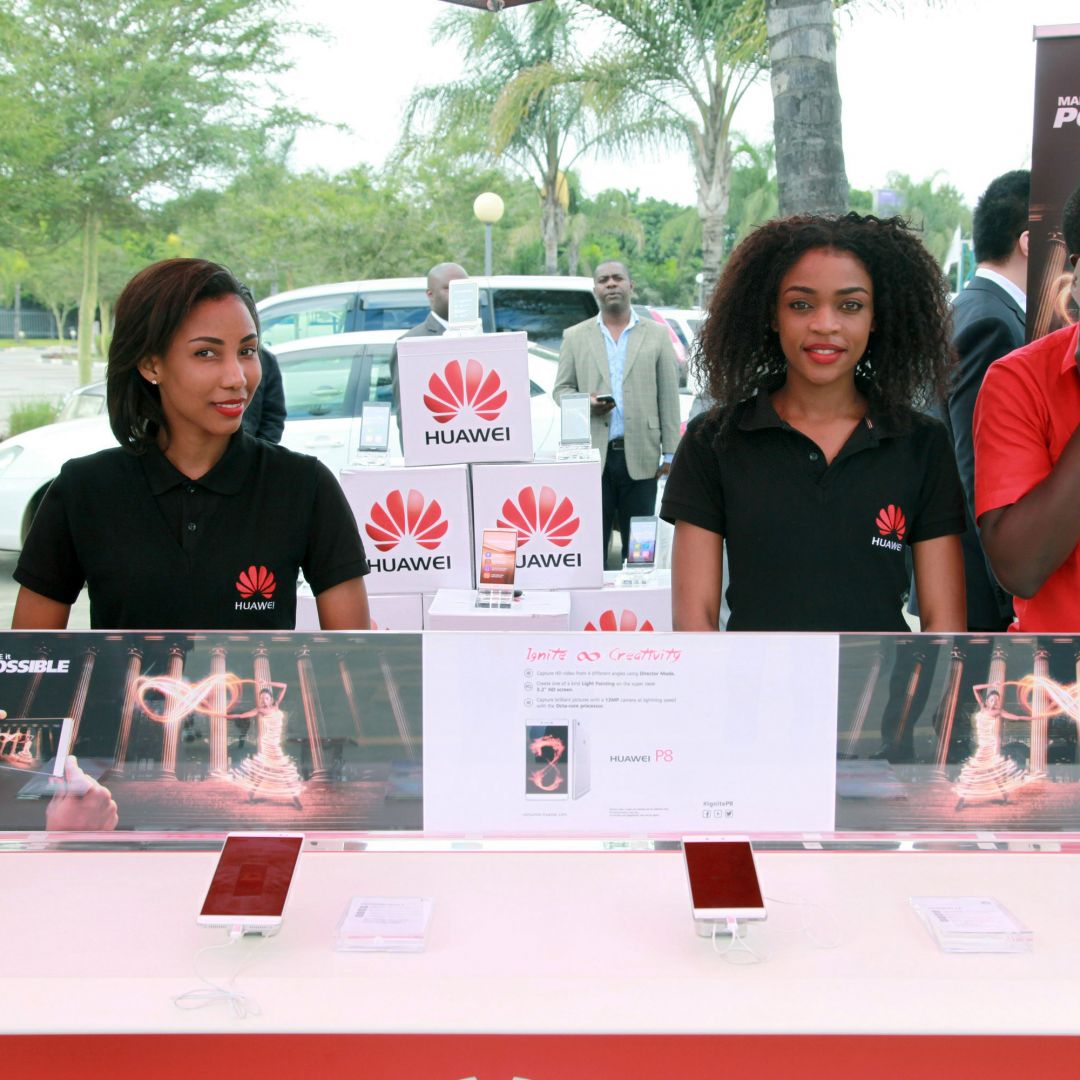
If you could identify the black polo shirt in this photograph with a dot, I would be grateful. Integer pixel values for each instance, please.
(812, 546)
(159, 551)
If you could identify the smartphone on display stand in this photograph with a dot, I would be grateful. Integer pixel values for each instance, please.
(575, 422)
(642, 546)
(374, 426)
(251, 882)
(498, 552)
(723, 878)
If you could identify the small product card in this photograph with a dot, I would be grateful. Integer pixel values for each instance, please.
(972, 924)
(385, 924)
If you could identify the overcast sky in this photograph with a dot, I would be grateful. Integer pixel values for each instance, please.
(926, 88)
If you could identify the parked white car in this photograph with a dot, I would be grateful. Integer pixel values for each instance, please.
(541, 306)
(686, 322)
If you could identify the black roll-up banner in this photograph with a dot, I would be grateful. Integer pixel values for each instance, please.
(1055, 174)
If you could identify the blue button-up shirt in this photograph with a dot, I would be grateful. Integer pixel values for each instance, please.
(616, 358)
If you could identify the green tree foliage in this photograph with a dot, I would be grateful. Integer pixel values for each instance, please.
(282, 230)
(683, 67)
(754, 195)
(518, 90)
(934, 208)
(54, 278)
(106, 101)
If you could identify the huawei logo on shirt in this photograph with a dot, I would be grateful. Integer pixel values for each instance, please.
(256, 585)
(540, 515)
(891, 526)
(457, 389)
(627, 621)
(399, 517)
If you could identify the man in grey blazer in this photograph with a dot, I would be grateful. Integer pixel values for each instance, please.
(988, 323)
(438, 294)
(627, 367)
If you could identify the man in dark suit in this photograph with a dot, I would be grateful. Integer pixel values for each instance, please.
(988, 323)
(438, 294)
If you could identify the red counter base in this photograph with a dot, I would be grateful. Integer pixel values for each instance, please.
(537, 1057)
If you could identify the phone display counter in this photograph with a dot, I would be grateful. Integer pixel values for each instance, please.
(526, 945)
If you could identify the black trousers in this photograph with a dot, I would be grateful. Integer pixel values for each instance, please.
(623, 497)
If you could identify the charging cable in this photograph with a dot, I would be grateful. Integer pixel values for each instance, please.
(817, 923)
(732, 939)
(737, 949)
(242, 1005)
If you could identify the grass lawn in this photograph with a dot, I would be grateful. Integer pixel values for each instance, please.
(34, 343)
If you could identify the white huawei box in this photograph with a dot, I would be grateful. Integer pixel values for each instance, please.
(455, 609)
(465, 399)
(400, 613)
(615, 607)
(415, 526)
(307, 614)
(555, 508)
(397, 613)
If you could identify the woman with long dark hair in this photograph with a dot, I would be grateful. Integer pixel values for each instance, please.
(189, 523)
(815, 467)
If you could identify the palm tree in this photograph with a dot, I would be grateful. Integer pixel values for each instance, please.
(679, 68)
(515, 89)
(810, 169)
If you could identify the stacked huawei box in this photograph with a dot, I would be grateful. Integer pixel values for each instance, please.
(467, 438)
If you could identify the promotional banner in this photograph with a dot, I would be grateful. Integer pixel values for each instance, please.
(640, 607)
(215, 732)
(555, 508)
(1055, 174)
(963, 733)
(629, 733)
(465, 399)
(415, 526)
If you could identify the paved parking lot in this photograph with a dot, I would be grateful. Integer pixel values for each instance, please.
(26, 376)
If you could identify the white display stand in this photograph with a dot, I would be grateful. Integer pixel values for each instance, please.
(455, 609)
(399, 613)
(555, 507)
(626, 959)
(619, 607)
(465, 399)
(495, 596)
(415, 526)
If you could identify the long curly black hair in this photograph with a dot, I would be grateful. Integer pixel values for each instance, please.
(906, 365)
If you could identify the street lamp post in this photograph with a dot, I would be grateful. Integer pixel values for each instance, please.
(488, 208)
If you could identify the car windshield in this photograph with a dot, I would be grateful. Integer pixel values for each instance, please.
(542, 313)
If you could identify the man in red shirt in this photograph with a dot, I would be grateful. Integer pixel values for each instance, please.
(1027, 469)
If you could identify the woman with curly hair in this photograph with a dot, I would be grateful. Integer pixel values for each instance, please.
(814, 466)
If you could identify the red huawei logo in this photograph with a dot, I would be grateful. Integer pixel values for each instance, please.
(627, 621)
(891, 520)
(542, 515)
(450, 394)
(399, 517)
(256, 581)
